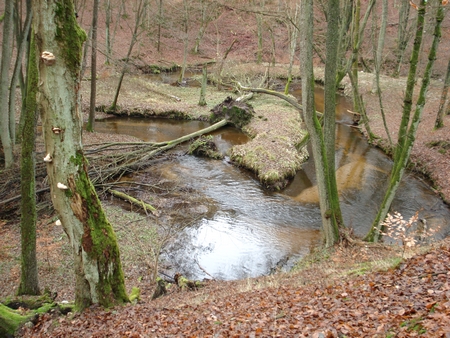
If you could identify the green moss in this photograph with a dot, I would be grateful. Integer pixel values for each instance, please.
(414, 325)
(205, 146)
(135, 294)
(10, 320)
(99, 240)
(78, 160)
(69, 35)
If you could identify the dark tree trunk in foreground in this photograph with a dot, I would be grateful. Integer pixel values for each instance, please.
(29, 278)
(98, 270)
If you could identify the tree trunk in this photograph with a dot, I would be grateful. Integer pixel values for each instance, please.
(355, 54)
(343, 37)
(329, 119)
(292, 28)
(185, 39)
(259, 33)
(108, 14)
(22, 38)
(5, 133)
(376, 88)
(408, 128)
(91, 120)
(29, 278)
(160, 21)
(202, 100)
(439, 123)
(330, 229)
(379, 50)
(137, 23)
(99, 276)
(205, 20)
(402, 35)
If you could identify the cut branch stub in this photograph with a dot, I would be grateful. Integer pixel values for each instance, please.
(235, 112)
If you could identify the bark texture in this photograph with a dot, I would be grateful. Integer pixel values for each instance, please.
(330, 229)
(29, 278)
(99, 276)
(329, 116)
(5, 133)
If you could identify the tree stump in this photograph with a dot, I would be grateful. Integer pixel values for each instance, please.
(235, 112)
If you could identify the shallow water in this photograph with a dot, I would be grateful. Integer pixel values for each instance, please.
(248, 231)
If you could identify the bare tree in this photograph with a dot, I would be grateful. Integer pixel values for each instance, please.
(91, 120)
(292, 25)
(111, 33)
(139, 14)
(439, 123)
(208, 13)
(160, 20)
(185, 39)
(259, 32)
(403, 35)
(22, 30)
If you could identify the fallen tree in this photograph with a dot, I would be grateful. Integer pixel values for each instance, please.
(107, 162)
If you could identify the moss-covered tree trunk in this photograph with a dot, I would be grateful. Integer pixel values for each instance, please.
(329, 114)
(29, 278)
(99, 276)
(318, 143)
(410, 122)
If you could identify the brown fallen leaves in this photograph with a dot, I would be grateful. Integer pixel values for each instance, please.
(412, 300)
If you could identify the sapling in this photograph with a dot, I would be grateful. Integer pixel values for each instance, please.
(404, 231)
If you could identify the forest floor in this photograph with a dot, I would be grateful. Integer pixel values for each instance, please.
(406, 299)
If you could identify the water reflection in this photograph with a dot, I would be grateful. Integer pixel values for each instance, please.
(149, 130)
(252, 231)
(249, 230)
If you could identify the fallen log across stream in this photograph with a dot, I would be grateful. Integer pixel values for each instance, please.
(136, 157)
(107, 162)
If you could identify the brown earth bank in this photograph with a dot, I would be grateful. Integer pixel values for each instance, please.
(357, 290)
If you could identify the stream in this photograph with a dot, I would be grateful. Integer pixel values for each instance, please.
(249, 232)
